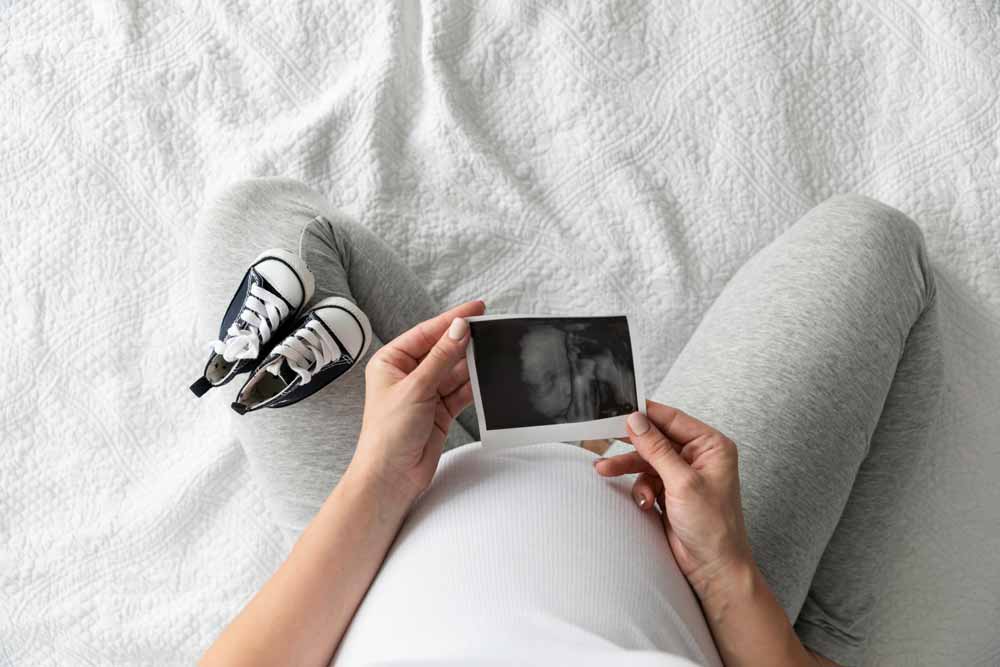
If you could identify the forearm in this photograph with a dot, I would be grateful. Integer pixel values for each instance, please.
(300, 615)
(749, 626)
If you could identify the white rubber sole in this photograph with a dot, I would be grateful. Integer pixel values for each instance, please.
(298, 266)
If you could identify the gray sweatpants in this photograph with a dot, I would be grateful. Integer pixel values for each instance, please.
(820, 359)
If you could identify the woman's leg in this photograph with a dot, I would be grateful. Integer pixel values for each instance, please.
(821, 360)
(298, 453)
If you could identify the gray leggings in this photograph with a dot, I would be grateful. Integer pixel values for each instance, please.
(820, 359)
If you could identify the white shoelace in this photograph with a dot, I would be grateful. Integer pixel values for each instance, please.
(306, 351)
(261, 315)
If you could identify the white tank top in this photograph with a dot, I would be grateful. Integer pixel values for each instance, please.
(527, 556)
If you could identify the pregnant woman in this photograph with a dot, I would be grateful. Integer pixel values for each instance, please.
(763, 539)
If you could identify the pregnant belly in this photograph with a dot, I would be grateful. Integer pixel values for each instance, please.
(512, 552)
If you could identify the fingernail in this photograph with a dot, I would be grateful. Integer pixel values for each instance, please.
(638, 423)
(640, 500)
(458, 329)
(597, 460)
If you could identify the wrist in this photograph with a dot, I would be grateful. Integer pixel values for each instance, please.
(726, 586)
(748, 624)
(379, 486)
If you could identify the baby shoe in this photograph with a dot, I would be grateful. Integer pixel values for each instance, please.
(266, 304)
(326, 343)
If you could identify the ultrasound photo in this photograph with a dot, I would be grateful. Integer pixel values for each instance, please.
(538, 379)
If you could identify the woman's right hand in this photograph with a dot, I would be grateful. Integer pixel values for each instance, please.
(691, 470)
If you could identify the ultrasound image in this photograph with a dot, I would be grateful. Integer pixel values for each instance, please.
(540, 371)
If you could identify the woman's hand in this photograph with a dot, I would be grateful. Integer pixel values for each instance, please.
(415, 387)
(691, 470)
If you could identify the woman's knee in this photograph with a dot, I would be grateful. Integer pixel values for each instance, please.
(870, 223)
(334, 233)
(243, 218)
(886, 238)
(255, 198)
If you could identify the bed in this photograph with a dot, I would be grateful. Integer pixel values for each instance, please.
(553, 157)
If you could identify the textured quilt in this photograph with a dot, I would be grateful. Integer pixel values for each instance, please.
(551, 157)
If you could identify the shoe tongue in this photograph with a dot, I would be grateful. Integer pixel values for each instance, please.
(280, 369)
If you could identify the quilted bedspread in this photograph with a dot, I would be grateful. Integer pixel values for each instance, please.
(551, 157)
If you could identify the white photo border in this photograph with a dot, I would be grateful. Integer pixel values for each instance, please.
(609, 427)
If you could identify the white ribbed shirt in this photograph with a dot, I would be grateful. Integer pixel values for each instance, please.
(527, 556)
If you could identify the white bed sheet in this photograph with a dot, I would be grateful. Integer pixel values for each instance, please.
(628, 156)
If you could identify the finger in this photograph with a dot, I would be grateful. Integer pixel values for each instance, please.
(675, 424)
(442, 419)
(458, 376)
(458, 400)
(434, 448)
(446, 353)
(696, 448)
(658, 451)
(645, 490)
(419, 340)
(622, 464)
(628, 440)
(438, 436)
(391, 361)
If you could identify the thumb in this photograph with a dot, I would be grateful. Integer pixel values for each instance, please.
(658, 451)
(448, 351)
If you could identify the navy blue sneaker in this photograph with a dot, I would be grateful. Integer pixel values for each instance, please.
(263, 310)
(327, 342)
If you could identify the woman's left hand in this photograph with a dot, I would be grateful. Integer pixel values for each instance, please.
(415, 387)
(691, 470)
